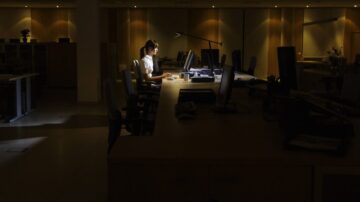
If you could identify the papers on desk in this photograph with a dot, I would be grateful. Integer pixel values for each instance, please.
(238, 76)
(198, 69)
(244, 77)
(202, 76)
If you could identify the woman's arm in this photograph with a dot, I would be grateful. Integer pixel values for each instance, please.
(156, 78)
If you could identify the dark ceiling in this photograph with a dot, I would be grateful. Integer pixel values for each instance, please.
(190, 3)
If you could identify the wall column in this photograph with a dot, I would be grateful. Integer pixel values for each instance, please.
(275, 26)
(88, 51)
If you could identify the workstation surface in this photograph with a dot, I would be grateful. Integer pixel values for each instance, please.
(241, 146)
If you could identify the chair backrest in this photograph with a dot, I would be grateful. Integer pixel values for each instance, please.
(114, 115)
(132, 111)
(236, 60)
(110, 97)
(180, 58)
(225, 86)
(139, 76)
(357, 60)
(350, 91)
(252, 66)
(126, 77)
(223, 60)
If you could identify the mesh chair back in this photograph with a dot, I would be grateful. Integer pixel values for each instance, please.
(236, 60)
(252, 66)
(223, 60)
(110, 97)
(129, 89)
(139, 76)
(114, 115)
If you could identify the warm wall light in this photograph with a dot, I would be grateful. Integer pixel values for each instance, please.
(355, 6)
(308, 6)
(57, 6)
(26, 6)
(213, 6)
(135, 6)
(276, 6)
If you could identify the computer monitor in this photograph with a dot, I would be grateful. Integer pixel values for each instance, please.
(188, 61)
(287, 68)
(225, 87)
(210, 57)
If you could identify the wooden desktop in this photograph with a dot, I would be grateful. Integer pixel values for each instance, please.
(216, 157)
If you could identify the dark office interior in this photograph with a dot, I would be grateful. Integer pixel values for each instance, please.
(247, 100)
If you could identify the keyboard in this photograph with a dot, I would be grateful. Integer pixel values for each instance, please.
(202, 79)
(197, 95)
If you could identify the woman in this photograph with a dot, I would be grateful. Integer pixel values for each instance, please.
(147, 66)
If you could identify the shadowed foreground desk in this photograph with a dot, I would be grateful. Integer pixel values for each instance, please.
(20, 110)
(216, 157)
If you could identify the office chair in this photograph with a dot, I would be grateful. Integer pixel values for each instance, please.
(142, 85)
(254, 84)
(252, 66)
(223, 61)
(305, 127)
(113, 113)
(236, 60)
(275, 87)
(140, 111)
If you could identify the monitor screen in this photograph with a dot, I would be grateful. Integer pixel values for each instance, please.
(208, 56)
(225, 86)
(188, 61)
(287, 68)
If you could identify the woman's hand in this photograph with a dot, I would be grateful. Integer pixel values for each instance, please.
(166, 75)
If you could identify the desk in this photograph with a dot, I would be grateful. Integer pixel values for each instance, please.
(8, 78)
(223, 157)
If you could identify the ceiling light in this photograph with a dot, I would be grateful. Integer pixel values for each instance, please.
(213, 6)
(26, 6)
(135, 6)
(57, 6)
(355, 6)
(307, 6)
(276, 6)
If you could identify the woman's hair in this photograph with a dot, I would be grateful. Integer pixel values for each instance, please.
(149, 45)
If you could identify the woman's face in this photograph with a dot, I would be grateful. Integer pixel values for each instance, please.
(155, 51)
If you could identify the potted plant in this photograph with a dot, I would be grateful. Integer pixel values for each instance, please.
(335, 59)
(25, 34)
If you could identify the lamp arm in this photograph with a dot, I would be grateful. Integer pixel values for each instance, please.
(196, 37)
